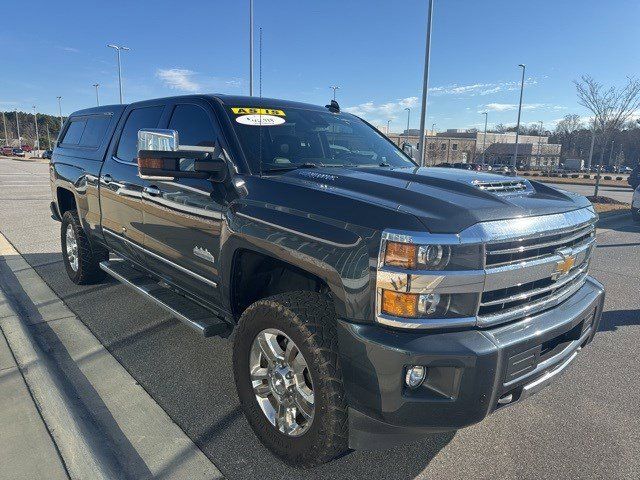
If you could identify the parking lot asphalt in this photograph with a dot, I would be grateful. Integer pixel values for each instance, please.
(622, 194)
(585, 425)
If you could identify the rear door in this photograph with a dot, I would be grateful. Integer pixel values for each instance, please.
(121, 187)
(182, 218)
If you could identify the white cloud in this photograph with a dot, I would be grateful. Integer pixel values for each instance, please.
(474, 89)
(505, 107)
(381, 112)
(70, 49)
(179, 79)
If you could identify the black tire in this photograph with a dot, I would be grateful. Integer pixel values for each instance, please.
(308, 319)
(89, 255)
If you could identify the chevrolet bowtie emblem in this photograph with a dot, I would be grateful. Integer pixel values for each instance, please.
(565, 265)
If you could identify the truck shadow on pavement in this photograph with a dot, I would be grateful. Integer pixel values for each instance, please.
(612, 320)
(191, 378)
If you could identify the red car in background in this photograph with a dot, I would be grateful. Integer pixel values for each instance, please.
(27, 148)
(8, 151)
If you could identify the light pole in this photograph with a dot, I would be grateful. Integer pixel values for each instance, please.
(408, 117)
(515, 153)
(425, 85)
(60, 110)
(540, 145)
(35, 117)
(96, 85)
(18, 128)
(433, 129)
(388, 122)
(610, 153)
(4, 122)
(117, 48)
(484, 137)
(334, 88)
(251, 48)
(48, 138)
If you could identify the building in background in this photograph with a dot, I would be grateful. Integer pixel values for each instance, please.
(456, 145)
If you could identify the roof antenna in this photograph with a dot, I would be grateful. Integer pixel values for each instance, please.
(260, 91)
(333, 107)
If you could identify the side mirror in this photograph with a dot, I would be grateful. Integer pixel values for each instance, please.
(160, 156)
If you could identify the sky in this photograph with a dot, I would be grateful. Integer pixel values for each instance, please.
(373, 50)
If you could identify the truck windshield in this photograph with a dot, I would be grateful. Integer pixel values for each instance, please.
(298, 138)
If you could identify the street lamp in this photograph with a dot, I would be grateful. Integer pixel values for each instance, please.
(18, 128)
(117, 48)
(4, 122)
(334, 88)
(60, 110)
(250, 48)
(35, 117)
(515, 153)
(425, 85)
(96, 85)
(408, 117)
(540, 144)
(388, 122)
(484, 137)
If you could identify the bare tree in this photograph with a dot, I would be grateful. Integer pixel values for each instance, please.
(567, 128)
(611, 108)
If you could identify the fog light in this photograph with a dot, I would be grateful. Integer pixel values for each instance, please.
(415, 376)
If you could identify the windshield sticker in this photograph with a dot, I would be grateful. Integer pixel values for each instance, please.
(258, 120)
(257, 111)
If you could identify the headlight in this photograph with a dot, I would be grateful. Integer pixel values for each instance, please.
(429, 305)
(432, 257)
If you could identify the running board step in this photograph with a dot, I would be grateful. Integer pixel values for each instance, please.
(193, 314)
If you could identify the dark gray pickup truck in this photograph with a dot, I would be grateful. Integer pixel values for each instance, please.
(371, 301)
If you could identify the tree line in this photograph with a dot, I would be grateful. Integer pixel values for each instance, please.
(28, 129)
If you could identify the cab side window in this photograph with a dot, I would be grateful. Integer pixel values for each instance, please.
(145, 117)
(194, 127)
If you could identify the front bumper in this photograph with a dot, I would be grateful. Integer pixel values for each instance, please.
(471, 373)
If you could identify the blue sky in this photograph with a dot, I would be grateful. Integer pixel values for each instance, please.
(373, 49)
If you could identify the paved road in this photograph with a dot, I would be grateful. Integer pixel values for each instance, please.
(587, 425)
(617, 193)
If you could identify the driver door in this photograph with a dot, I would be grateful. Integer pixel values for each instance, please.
(182, 218)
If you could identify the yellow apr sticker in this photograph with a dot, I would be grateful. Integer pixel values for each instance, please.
(257, 111)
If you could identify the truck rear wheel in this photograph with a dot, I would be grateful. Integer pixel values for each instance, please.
(288, 377)
(81, 258)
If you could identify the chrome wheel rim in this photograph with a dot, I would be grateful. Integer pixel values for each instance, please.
(72, 247)
(281, 382)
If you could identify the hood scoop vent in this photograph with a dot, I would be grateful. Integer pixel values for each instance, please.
(511, 187)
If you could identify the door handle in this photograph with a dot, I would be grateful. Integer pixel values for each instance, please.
(152, 190)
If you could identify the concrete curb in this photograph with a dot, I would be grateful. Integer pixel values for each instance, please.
(613, 216)
(104, 424)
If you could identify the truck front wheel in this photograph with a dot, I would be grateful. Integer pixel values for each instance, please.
(288, 377)
(81, 258)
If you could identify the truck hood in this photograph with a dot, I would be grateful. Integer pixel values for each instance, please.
(444, 200)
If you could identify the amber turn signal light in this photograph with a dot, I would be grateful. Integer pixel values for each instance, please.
(400, 254)
(399, 304)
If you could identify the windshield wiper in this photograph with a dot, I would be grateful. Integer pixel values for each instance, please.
(296, 166)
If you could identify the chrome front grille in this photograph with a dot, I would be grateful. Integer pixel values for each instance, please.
(518, 250)
(534, 273)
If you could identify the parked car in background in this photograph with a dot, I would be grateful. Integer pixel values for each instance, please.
(635, 204)
(47, 154)
(17, 152)
(27, 148)
(6, 150)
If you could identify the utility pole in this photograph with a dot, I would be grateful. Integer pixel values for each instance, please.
(484, 137)
(35, 117)
(4, 121)
(408, 117)
(334, 87)
(251, 48)
(515, 153)
(539, 143)
(18, 128)
(96, 85)
(118, 48)
(60, 110)
(425, 86)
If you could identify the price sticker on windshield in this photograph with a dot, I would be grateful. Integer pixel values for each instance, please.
(257, 111)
